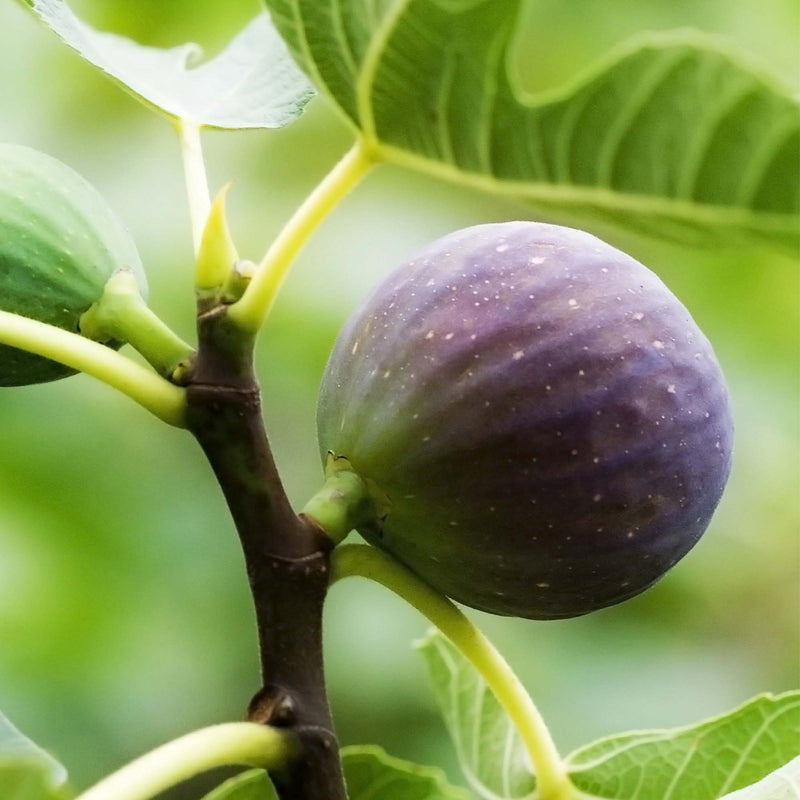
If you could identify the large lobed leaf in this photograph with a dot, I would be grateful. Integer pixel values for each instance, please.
(672, 136)
(26, 771)
(705, 761)
(253, 83)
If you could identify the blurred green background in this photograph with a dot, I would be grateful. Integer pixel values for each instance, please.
(124, 613)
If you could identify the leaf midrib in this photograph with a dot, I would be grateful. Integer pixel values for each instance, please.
(575, 195)
(368, 68)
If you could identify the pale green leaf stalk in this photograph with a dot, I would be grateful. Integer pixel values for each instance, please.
(194, 170)
(157, 395)
(239, 743)
(250, 312)
(121, 314)
(368, 562)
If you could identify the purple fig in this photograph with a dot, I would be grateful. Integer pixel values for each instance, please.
(549, 425)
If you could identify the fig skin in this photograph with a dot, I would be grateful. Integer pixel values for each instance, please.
(550, 426)
(59, 244)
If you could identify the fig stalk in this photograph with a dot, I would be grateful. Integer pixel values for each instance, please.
(122, 314)
(345, 502)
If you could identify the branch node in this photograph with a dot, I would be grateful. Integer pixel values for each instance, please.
(273, 705)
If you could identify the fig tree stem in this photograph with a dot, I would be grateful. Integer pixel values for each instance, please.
(194, 170)
(369, 562)
(234, 743)
(251, 310)
(160, 397)
(286, 556)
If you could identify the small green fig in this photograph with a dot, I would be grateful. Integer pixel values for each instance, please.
(59, 245)
(548, 424)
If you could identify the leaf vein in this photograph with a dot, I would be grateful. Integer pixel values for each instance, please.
(715, 119)
(637, 102)
(764, 727)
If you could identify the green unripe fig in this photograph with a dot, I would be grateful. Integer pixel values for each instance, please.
(59, 245)
(548, 428)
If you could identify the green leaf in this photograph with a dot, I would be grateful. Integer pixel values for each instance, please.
(699, 762)
(251, 785)
(371, 774)
(253, 83)
(783, 784)
(672, 136)
(26, 771)
(490, 752)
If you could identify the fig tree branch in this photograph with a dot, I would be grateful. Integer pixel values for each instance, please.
(286, 556)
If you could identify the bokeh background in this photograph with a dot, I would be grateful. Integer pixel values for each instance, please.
(124, 613)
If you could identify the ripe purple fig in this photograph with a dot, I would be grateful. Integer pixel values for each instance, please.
(550, 427)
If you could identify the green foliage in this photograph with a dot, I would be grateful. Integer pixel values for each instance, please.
(741, 184)
(253, 83)
(371, 774)
(251, 785)
(783, 784)
(26, 771)
(490, 751)
(699, 762)
(672, 136)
